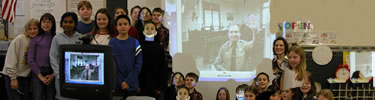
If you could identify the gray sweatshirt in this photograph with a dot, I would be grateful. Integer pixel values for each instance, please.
(59, 39)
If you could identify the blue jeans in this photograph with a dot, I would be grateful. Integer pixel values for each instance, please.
(40, 90)
(23, 91)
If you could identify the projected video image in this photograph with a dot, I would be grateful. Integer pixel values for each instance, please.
(226, 39)
(84, 68)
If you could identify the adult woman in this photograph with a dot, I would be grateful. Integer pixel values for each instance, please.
(280, 49)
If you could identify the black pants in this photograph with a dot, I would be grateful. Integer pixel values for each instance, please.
(148, 92)
(23, 91)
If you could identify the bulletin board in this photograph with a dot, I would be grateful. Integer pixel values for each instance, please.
(27, 9)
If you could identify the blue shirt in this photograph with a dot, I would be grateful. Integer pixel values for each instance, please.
(128, 59)
(84, 28)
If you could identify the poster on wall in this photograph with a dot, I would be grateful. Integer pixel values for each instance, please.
(96, 4)
(55, 7)
(311, 38)
(19, 21)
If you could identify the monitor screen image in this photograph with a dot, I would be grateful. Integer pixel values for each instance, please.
(84, 68)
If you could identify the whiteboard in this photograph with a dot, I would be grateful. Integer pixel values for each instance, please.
(96, 5)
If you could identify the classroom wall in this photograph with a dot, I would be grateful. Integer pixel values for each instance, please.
(151, 4)
(353, 20)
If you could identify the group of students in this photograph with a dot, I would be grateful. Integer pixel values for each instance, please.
(140, 46)
(183, 88)
(292, 81)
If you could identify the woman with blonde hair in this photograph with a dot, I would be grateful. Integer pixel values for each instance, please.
(16, 69)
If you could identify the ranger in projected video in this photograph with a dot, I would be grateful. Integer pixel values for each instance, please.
(233, 54)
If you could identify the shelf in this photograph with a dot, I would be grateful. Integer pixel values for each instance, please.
(353, 90)
(347, 97)
(366, 97)
(341, 97)
(346, 91)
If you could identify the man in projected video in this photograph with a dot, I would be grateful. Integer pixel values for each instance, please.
(87, 73)
(233, 54)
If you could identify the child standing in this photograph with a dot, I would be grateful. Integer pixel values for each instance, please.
(250, 93)
(128, 58)
(16, 69)
(163, 32)
(294, 73)
(144, 15)
(261, 82)
(190, 83)
(120, 11)
(103, 29)
(42, 77)
(275, 95)
(68, 22)
(182, 94)
(132, 31)
(290, 94)
(223, 94)
(134, 13)
(84, 11)
(153, 76)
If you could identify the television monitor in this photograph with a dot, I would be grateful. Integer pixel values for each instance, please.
(87, 71)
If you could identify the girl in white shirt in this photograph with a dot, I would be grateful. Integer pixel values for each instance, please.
(103, 28)
(16, 69)
(294, 73)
